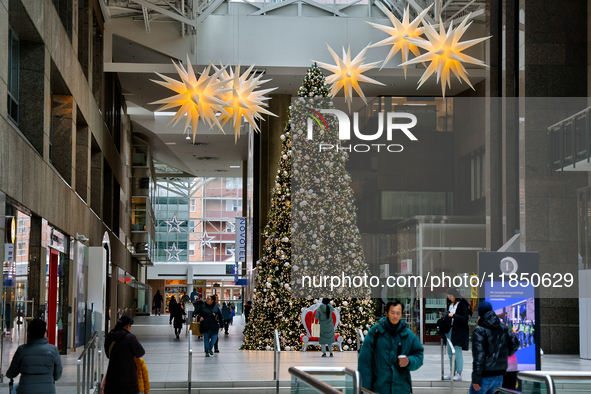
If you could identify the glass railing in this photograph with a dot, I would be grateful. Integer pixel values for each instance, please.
(327, 380)
(548, 382)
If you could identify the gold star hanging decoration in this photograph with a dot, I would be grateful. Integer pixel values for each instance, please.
(348, 73)
(400, 34)
(445, 53)
(242, 99)
(196, 97)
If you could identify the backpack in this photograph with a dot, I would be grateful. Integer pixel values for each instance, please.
(443, 326)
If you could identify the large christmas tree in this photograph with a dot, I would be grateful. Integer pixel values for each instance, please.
(323, 230)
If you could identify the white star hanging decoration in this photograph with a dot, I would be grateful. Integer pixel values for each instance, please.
(196, 97)
(400, 34)
(205, 240)
(242, 99)
(348, 73)
(445, 53)
(173, 253)
(174, 224)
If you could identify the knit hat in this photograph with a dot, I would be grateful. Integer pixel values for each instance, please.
(125, 320)
(484, 307)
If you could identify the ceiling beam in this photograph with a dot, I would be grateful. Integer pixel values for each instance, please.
(418, 9)
(146, 18)
(166, 12)
(460, 11)
(207, 12)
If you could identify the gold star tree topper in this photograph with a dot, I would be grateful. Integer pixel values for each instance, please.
(196, 97)
(242, 99)
(445, 53)
(348, 73)
(400, 34)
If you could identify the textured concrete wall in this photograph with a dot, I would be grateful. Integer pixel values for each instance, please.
(26, 174)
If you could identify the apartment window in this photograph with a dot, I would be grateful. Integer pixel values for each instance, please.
(22, 249)
(13, 74)
(191, 249)
(233, 183)
(232, 205)
(191, 226)
(229, 249)
(22, 228)
(477, 175)
(193, 204)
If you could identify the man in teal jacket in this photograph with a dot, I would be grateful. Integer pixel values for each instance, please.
(382, 370)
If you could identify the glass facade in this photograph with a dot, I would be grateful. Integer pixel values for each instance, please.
(195, 219)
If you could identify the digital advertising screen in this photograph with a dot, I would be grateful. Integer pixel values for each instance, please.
(511, 288)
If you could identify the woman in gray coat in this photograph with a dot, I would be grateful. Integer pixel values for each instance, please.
(324, 316)
(38, 362)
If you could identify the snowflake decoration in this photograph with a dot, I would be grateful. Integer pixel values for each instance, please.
(400, 34)
(196, 97)
(445, 53)
(174, 224)
(173, 253)
(242, 99)
(348, 73)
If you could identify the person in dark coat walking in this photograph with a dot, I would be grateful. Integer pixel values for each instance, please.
(121, 346)
(323, 316)
(459, 311)
(389, 353)
(226, 315)
(38, 362)
(171, 304)
(158, 300)
(210, 317)
(177, 315)
(492, 344)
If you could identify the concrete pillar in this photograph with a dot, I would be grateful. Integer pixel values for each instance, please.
(36, 262)
(270, 152)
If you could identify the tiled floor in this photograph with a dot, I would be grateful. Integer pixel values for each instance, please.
(167, 359)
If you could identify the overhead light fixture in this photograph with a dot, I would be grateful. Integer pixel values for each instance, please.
(164, 113)
(234, 166)
(220, 170)
(207, 158)
(188, 137)
(170, 143)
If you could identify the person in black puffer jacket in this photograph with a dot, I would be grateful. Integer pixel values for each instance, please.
(492, 344)
(121, 347)
(37, 362)
(210, 317)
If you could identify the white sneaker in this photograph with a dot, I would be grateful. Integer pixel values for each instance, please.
(457, 377)
(447, 377)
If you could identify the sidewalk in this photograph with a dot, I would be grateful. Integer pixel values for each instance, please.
(167, 358)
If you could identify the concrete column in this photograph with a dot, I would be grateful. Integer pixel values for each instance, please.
(271, 130)
(36, 262)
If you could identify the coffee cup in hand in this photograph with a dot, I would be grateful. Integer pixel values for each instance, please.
(402, 361)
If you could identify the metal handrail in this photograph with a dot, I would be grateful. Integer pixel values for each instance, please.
(190, 377)
(539, 377)
(2, 335)
(276, 361)
(453, 362)
(87, 373)
(306, 371)
(503, 390)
